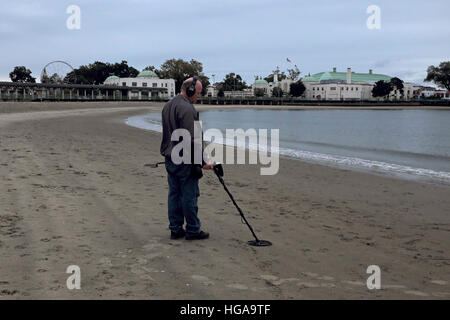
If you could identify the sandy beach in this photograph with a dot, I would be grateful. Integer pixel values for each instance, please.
(75, 191)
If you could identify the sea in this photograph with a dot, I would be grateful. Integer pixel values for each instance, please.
(411, 144)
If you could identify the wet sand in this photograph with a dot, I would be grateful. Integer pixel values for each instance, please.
(74, 191)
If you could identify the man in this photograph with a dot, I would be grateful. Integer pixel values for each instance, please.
(179, 113)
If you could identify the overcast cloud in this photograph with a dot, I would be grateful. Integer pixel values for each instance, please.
(247, 37)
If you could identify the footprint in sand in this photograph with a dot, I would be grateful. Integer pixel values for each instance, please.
(237, 286)
(311, 274)
(308, 285)
(326, 278)
(392, 286)
(155, 249)
(417, 293)
(354, 283)
(143, 272)
(204, 280)
(318, 276)
(281, 281)
(268, 277)
(106, 262)
(439, 282)
(441, 294)
(275, 281)
(155, 245)
(327, 285)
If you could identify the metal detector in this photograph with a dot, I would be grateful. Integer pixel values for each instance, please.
(153, 165)
(218, 170)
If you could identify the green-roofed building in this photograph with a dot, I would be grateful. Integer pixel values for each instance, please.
(147, 74)
(263, 85)
(334, 85)
(342, 76)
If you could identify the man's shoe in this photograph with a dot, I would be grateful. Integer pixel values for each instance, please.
(197, 236)
(177, 235)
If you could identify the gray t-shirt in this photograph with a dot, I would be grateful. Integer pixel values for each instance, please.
(178, 113)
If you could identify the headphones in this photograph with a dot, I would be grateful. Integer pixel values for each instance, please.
(190, 91)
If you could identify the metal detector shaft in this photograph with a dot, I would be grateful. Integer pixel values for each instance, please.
(153, 165)
(237, 207)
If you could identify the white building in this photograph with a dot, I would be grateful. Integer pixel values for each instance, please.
(211, 91)
(238, 93)
(145, 79)
(267, 87)
(262, 85)
(427, 92)
(442, 94)
(430, 92)
(351, 86)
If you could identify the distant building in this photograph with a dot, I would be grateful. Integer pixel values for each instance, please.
(263, 85)
(239, 93)
(267, 87)
(427, 92)
(442, 94)
(145, 79)
(351, 86)
(211, 91)
(431, 92)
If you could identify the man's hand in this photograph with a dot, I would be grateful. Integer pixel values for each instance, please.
(208, 166)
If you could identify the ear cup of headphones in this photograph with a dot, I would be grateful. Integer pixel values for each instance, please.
(190, 91)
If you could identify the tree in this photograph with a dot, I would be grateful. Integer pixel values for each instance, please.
(97, 72)
(152, 68)
(180, 70)
(277, 92)
(220, 94)
(54, 78)
(270, 77)
(205, 83)
(21, 74)
(397, 84)
(297, 88)
(258, 92)
(439, 75)
(294, 73)
(382, 89)
(122, 70)
(232, 82)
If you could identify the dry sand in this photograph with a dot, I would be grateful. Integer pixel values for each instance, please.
(74, 191)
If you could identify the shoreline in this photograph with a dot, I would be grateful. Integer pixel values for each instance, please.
(319, 107)
(14, 107)
(403, 172)
(93, 106)
(74, 191)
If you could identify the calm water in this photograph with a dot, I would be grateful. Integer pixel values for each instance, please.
(414, 143)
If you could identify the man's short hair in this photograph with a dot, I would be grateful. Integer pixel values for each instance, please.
(186, 84)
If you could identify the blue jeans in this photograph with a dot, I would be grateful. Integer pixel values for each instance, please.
(182, 201)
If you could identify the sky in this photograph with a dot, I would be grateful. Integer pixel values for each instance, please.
(247, 37)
